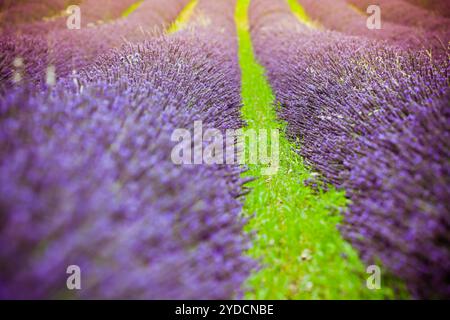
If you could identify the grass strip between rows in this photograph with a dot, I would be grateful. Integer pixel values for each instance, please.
(132, 8)
(183, 18)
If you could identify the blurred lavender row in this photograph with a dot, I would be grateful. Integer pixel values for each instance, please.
(374, 120)
(93, 12)
(402, 12)
(86, 176)
(337, 15)
(14, 12)
(71, 50)
(441, 7)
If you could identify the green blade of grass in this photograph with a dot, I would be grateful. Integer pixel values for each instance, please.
(301, 14)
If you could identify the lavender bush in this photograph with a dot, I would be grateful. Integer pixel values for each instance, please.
(92, 184)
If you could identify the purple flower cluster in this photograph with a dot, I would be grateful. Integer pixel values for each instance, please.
(373, 120)
(400, 191)
(103, 10)
(86, 176)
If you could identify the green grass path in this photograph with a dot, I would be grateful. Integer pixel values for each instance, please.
(302, 254)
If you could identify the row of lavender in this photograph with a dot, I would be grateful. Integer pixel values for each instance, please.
(429, 32)
(405, 13)
(92, 12)
(39, 17)
(18, 11)
(40, 45)
(86, 176)
(439, 7)
(374, 120)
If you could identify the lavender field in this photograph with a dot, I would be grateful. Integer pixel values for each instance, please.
(224, 149)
